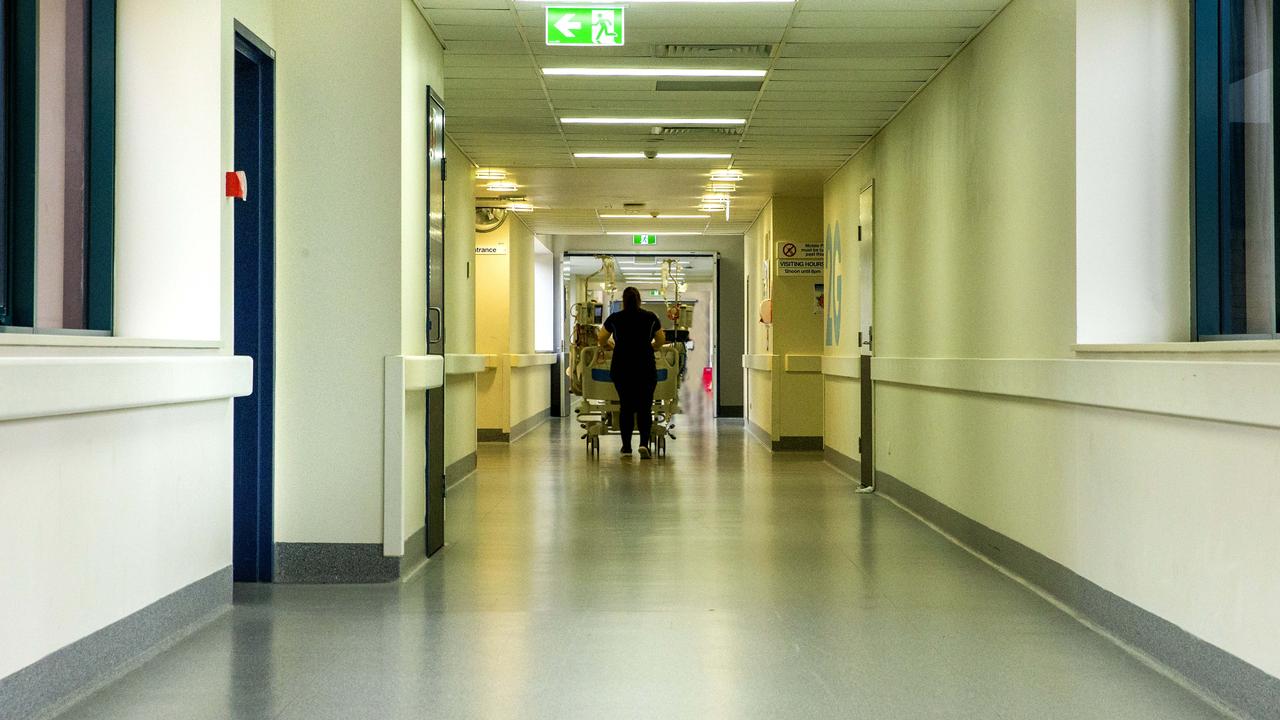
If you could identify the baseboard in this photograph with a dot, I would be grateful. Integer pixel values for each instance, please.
(66, 675)
(460, 470)
(1235, 683)
(797, 444)
(415, 553)
(842, 462)
(760, 434)
(492, 435)
(730, 411)
(528, 425)
(327, 563)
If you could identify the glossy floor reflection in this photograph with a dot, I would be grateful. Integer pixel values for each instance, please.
(720, 582)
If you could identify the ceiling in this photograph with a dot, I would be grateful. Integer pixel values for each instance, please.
(837, 71)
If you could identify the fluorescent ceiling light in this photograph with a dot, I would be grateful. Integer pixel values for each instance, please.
(650, 232)
(653, 72)
(653, 217)
(520, 207)
(659, 156)
(722, 188)
(716, 199)
(614, 156)
(491, 175)
(502, 187)
(694, 156)
(726, 175)
(651, 121)
(672, 2)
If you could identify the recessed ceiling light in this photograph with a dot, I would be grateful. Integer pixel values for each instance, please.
(651, 121)
(491, 175)
(658, 156)
(650, 232)
(726, 175)
(653, 72)
(716, 199)
(722, 188)
(713, 207)
(502, 187)
(682, 2)
(613, 156)
(520, 207)
(653, 217)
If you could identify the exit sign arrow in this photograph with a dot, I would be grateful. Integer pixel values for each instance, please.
(587, 26)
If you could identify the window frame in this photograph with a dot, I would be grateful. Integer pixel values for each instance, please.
(19, 183)
(1210, 294)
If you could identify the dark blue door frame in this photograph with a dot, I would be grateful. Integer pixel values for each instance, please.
(253, 541)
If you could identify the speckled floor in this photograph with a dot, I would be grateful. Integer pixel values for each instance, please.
(720, 582)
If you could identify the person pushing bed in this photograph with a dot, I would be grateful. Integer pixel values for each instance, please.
(636, 334)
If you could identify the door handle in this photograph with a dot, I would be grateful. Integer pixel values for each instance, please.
(435, 328)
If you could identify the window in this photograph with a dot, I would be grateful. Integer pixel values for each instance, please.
(1235, 156)
(57, 165)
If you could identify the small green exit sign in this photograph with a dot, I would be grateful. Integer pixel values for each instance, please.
(595, 25)
(644, 239)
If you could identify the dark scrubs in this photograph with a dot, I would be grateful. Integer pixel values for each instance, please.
(634, 371)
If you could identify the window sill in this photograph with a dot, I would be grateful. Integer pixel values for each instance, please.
(1206, 347)
(99, 341)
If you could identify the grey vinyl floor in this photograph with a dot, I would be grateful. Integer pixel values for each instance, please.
(719, 582)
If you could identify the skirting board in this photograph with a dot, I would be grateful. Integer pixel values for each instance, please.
(66, 675)
(524, 427)
(329, 563)
(528, 425)
(730, 411)
(460, 470)
(843, 463)
(1233, 682)
(785, 444)
(797, 444)
(492, 435)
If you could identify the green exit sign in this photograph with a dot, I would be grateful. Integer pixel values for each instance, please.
(644, 239)
(599, 26)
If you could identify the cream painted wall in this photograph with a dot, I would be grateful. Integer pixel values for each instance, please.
(976, 247)
(507, 396)
(842, 395)
(168, 184)
(147, 490)
(421, 65)
(795, 399)
(1133, 157)
(339, 240)
(460, 301)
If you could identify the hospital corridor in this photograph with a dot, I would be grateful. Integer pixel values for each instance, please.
(648, 359)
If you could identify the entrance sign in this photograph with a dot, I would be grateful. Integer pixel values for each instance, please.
(591, 26)
(644, 239)
(491, 248)
(801, 259)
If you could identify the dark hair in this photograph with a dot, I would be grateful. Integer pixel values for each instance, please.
(631, 299)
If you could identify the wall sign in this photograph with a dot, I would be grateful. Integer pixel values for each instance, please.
(491, 249)
(598, 26)
(800, 259)
(644, 239)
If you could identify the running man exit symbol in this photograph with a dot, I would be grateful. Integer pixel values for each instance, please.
(591, 26)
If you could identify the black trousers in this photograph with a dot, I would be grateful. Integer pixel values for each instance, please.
(636, 399)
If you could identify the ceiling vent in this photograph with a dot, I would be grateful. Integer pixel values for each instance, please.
(751, 86)
(696, 131)
(720, 52)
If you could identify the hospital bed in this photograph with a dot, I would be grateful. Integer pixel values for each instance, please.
(598, 412)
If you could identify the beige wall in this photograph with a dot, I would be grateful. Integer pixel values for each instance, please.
(976, 287)
(460, 302)
(507, 396)
(794, 399)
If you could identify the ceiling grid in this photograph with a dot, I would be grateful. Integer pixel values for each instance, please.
(836, 72)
